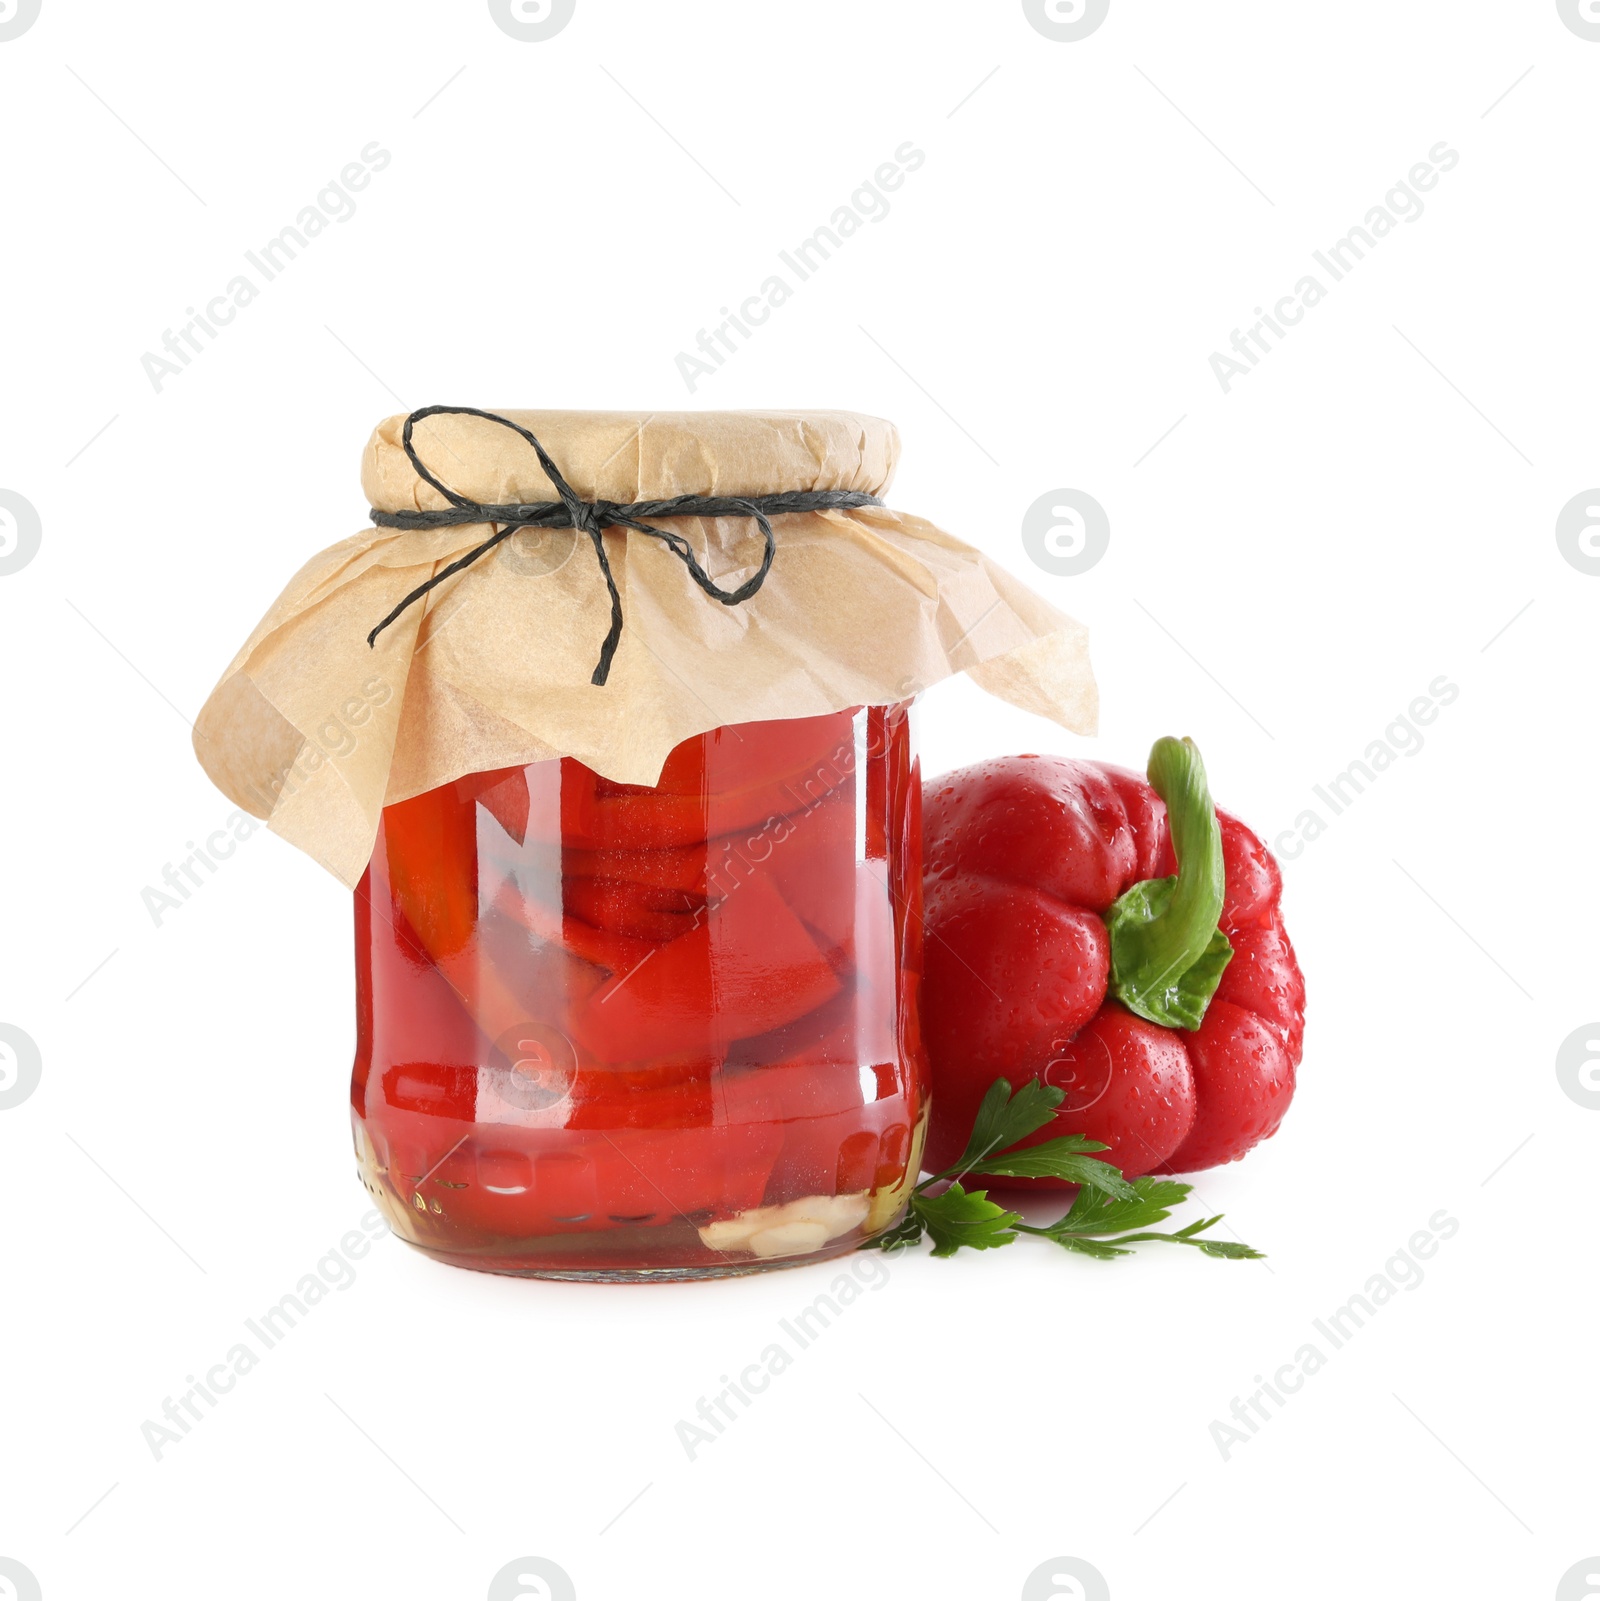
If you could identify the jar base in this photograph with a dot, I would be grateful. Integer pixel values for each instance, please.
(510, 1267)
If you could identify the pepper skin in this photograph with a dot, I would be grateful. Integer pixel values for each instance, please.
(1024, 856)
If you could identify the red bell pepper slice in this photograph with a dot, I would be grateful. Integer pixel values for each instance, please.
(429, 847)
(711, 784)
(749, 966)
(646, 1154)
(639, 911)
(677, 867)
(747, 755)
(616, 953)
(810, 856)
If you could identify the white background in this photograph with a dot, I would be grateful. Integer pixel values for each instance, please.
(1372, 507)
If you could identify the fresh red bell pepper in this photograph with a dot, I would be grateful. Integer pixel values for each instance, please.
(1120, 939)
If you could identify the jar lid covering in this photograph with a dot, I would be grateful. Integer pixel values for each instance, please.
(632, 455)
(316, 730)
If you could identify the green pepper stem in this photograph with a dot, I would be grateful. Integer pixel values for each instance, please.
(1178, 776)
(1167, 954)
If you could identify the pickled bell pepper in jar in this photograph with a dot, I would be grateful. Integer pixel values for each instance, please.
(674, 1025)
(607, 722)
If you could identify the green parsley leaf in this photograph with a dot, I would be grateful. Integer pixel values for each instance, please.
(906, 1232)
(1004, 1118)
(1093, 1216)
(1101, 1250)
(1228, 1250)
(1149, 1200)
(1063, 1158)
(956, 1218)
(1106, 1203)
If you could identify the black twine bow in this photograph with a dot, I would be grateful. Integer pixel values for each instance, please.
(591, 516)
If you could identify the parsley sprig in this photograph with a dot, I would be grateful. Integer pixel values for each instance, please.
(1107, 1216)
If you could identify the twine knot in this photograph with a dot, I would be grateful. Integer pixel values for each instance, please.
(591, 518)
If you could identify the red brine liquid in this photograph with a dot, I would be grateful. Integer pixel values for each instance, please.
(613, 1030)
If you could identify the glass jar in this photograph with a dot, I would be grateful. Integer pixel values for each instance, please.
(628, 1032)
(644, 1008)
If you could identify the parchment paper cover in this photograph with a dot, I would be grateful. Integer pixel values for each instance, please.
(314, 731)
